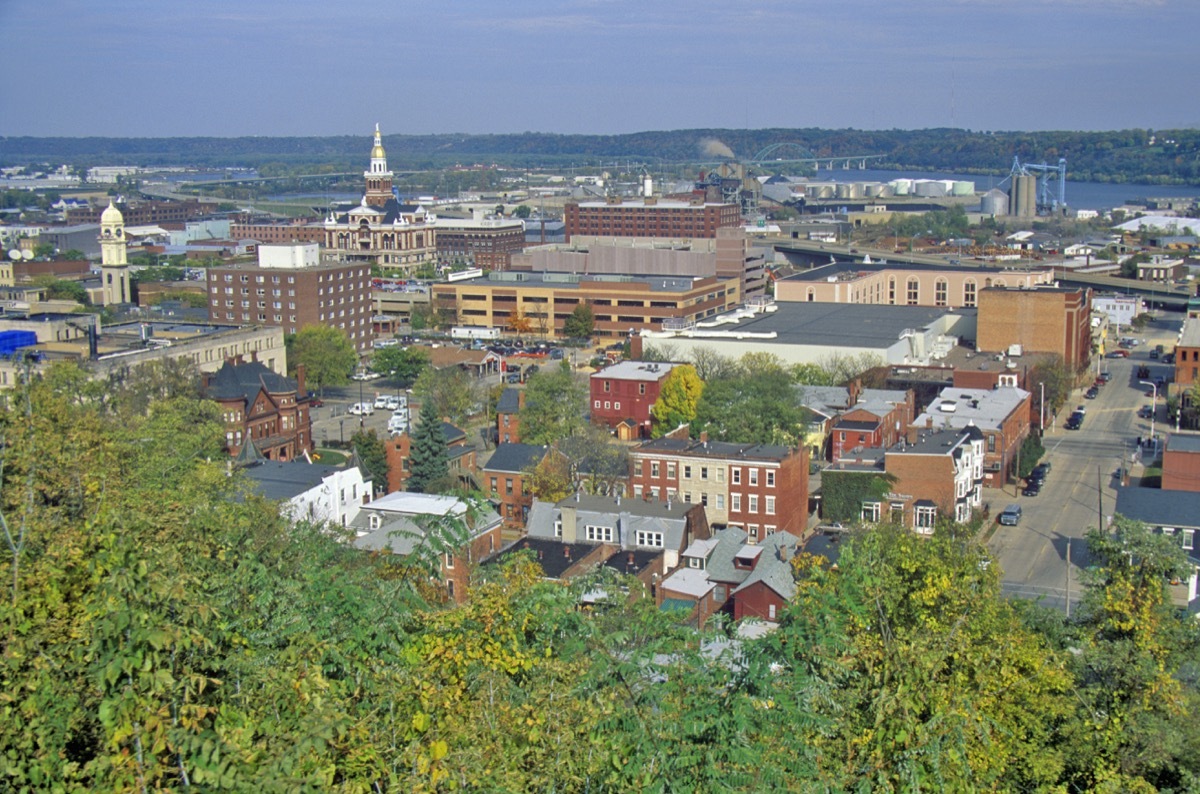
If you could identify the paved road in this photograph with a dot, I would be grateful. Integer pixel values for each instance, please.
(1080, 490)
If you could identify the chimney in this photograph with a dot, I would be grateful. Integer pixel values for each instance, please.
(301, 391)
(704, 437)
(630, 559)
(567, 552)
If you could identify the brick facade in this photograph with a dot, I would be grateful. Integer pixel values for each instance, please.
(334, 295)
(763, 489)
(649, 218)
(1042, 320)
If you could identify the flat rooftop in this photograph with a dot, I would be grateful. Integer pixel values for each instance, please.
(847, 271)
(841, 325)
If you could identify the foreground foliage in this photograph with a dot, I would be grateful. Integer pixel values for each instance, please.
(162, 629)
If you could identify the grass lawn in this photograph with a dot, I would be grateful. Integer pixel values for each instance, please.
(330, 457)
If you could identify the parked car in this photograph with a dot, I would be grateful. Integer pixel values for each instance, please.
(1042, 469)
(514, 377)
(1145, 412)
(1104, 377)
(395, 401)
(1075, 422)
(1032, 489)
(1092, 393)
(397, 424)
(381, 401)
(1153, 354)
(1011, 516)
(361, 409)
(1119, 354)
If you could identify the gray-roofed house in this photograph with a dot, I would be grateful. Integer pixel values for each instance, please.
(504, 478)
(412, 523)
(747, 580)
(1169, 512)
(582, 532)
(261, 406)
(312, 492)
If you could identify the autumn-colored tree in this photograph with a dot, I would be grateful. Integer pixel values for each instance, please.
(550, 478)
(677, 400)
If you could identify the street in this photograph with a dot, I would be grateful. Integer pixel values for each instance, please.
(1080, 490)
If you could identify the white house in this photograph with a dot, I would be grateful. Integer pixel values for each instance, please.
(313, 492)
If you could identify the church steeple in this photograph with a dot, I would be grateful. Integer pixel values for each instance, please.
(378, 177)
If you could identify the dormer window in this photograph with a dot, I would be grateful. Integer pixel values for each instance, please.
(374, 521)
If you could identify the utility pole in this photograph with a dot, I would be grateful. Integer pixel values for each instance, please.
(1068, 578)
(1100, 498)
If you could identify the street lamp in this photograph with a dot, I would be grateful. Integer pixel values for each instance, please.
(1153, 410)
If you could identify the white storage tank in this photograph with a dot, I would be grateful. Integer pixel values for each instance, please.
(962, 187)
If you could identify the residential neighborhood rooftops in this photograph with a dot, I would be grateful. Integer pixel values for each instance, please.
(1160, 507)
(514, 458)
(287, 479)
(636, 370)
(958, 407)
(509, 402)
(713, 449)
(937, 442)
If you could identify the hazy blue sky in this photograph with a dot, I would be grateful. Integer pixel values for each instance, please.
(267, 67)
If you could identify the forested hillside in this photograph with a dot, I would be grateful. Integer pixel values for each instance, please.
(162, 630)
(1160, 156)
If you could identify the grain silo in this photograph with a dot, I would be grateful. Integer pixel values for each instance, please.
(994, 203)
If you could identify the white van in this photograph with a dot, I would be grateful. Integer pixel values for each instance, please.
(397, 424)
(361, 409)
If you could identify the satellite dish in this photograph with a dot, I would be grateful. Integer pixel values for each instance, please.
(27, 254)
(14, 253)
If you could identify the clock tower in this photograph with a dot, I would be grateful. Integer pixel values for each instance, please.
(379, 178)
(114, 268)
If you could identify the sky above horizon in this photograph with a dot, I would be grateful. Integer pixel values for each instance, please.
(148, 68)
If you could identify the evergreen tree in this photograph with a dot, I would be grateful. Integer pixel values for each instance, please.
(430, 466)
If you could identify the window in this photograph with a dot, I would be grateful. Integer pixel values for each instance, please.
(754, 476)
(687, 472)
(914, 290)
(991, 443)
(737, 476)
(770, 478)
(770, 529)
(558, 529)
(871, 511)
(720, 501)
(753, 504)
(1189, 539)
(616, 406)
(637, 492)
(969, 293)
(752, 532)
(770, 611)
(654, 468)
(704, 472)
(508, 486)
(735, 502)
(671, 470)
(892, 291)
(596, 404)
(940, 292)
(720, 474)
(924, 518)
(598, 534)
(704, 499)
(695, 562)
(641, 388)
(652, 539)
(770, 505)
(607, 386)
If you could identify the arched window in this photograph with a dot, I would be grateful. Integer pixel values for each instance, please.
(941, 290)
(811, 295)
(892, 291)
(969, 292)
(914, 291)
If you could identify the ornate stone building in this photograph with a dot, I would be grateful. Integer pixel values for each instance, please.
(380, 230)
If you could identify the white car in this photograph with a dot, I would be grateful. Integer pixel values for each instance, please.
(365, 376)
(382, 401)
(395, 403)
(397, 424)
(361, 409)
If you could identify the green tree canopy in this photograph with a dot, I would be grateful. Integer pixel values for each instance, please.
(450, 391)
(580, 322)
(63, 289)
(373, 457)
(763, 409)
(406, 363)
(555, 406)
(677, 400)
(326, 353)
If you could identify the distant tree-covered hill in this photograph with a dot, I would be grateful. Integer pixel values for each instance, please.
(1162, 156)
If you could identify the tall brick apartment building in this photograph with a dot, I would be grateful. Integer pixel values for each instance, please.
(1041, 320)
(649, 217)
(483, 241)
(940, 473)
(262, 407)
(763, 489)
(145, 213)
(293, 293)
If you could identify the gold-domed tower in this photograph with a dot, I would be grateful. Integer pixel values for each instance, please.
(114, 267)
(379, 178)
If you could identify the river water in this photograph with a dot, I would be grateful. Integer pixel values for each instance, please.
(1080, 195)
